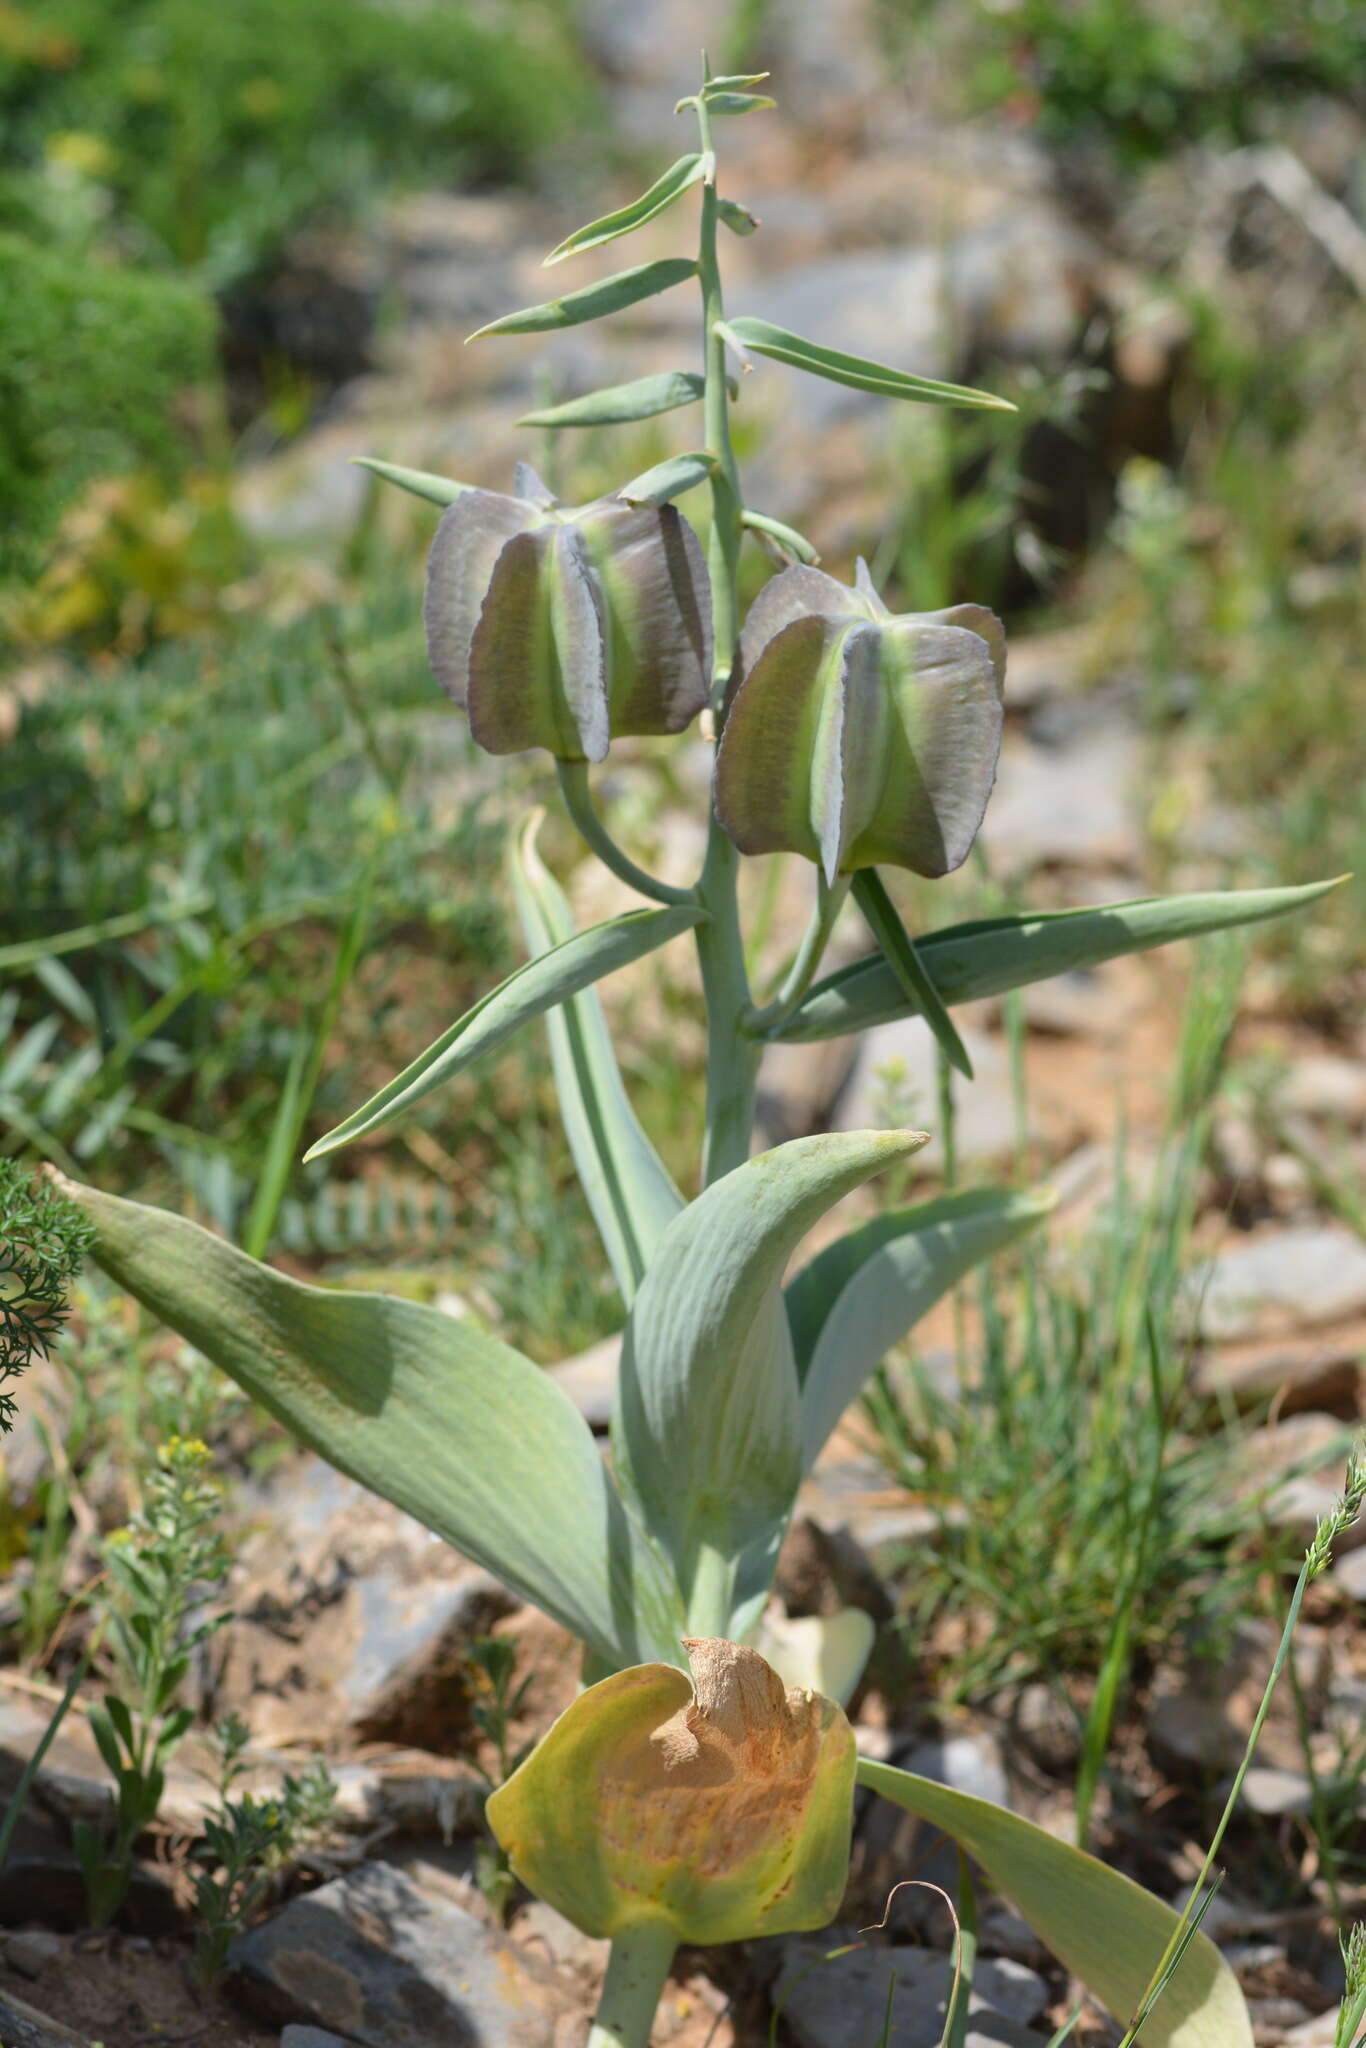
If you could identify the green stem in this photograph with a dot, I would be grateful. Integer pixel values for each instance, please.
(579, 803)
(732, 1055)
(802, 972)
(636, 1972)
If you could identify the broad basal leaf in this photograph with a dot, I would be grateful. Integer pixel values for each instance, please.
(628, 1188)
(1100, 1925)
(429, 1412)
(616, 404)
(533, 989)
(665, 190)
(708, 1421)
(993, 954)
(610, 295)
(863, 1293)
(858, 372)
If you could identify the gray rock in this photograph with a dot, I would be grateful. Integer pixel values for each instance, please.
(1316, 1274)
(1046, 1729)
(32, 1951)
(842, 2003)
(1070, 803)
(352, 1619)
(965, 1763)
(1269, 1791)
(1202, 1707)
(294, 2036)
(1349, 1574)
(1319, 2032)
(388, 1965)
(1325, 1084)
(1293, 1471)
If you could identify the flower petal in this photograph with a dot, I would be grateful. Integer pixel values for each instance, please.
(471, 535)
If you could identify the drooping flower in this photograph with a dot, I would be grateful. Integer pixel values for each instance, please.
(857, 737)
(723, 1807)
(562, 627)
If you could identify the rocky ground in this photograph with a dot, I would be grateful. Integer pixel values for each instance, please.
(353, 1623)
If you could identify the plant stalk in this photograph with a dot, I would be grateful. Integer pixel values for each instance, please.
(636, 1971)
(732, 1055)
(579, 803)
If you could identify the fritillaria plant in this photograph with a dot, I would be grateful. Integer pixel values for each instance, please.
(661, 1809)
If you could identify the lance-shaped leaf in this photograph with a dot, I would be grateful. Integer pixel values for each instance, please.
(1100, 1925)
(429, 1412)
(863, 1293)
(708, 1419)
(609, 295)
(437, 490)
(669, 479)
(665, 190)
(626, 1184)
(990, 955)
(617, 404)
(531, 990)
(723, 1807)
(722, 102)
(898, 950)
(857, 372)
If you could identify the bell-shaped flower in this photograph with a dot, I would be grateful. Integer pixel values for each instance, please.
(723, 1808)
(856, 737)
(561, 627)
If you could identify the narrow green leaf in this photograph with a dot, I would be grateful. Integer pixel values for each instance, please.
(850, 1304)
(28, 952)
(1100, 1925)
(438, 490)
(738, 102)
(858, 372)
(427, 1411)
(609, 295)
(787, 537)
(669, 479)
(626, 1184)
(98, 1722)
(898, 950)
(737, 218)
(618, 403)
(990, 955)
(708, 1418)
(537, 987)
(735, 81)
(665, 190)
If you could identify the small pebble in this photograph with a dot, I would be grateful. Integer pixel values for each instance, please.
(32, 1952)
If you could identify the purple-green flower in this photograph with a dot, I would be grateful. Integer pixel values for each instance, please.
(562, 627)
(856, 737)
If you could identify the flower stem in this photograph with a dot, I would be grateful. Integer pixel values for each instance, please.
(636, 1973)
(579, 803)
(802, 972)
(732, 1055)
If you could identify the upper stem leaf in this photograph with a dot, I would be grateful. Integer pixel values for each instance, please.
(858, 372)
(609, 295)
(662, 194)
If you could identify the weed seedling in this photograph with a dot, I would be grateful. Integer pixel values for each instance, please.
(163, 1570)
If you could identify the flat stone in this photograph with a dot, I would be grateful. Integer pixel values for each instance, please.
(295, 2036)
(1202, 1707)
(842, 2003)
(388, 1965)
(32, 1951)
(352, 1620)
(1072, 803)
(1269, 1791)
(1294, 1470)
(1319, 2032)
(1301, 1370)
(1349, 1574)
(1325, 1084)
(1309, 1275)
